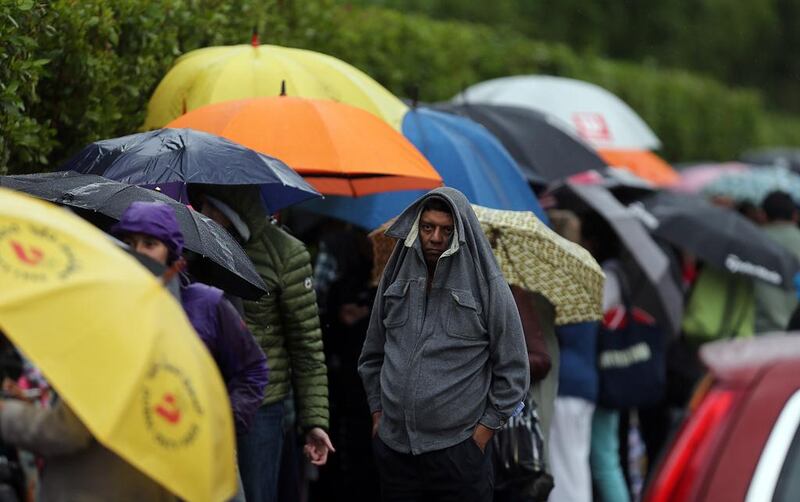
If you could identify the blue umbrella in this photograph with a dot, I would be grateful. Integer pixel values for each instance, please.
(467, 157)
(170, 159)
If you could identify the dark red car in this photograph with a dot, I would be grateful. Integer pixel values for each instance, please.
(741, 440)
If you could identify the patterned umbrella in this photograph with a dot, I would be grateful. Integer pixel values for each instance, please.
(532, 257)
(755, 184)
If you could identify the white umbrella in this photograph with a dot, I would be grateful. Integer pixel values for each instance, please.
(595, 114)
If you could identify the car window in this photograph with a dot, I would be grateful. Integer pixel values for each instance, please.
(788, 487)
(776, 475)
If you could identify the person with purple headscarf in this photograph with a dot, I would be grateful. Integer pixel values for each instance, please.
(151, 228)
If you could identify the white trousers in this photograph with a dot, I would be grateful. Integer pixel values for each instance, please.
(570, 442)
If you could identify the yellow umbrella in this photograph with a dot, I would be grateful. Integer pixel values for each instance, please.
(216, 74)
(532, 257)
(117, 348)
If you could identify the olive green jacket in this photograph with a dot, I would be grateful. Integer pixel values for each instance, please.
(285, 322)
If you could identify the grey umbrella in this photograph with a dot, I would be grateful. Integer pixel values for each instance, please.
(652, 282)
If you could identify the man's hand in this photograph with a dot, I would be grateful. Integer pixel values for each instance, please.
(482, 436)
(318, 444)
(376, 419)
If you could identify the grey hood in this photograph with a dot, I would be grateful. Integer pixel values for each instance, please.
(476, 253)
(438, 362)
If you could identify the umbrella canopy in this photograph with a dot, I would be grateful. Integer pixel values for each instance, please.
(534, 258)
(755, 184)
(590, 111)
(172, 158)
(787, 157)
(466, 155)
(544, 150)
(216, 74)
(116, 347)
(694, 178)
(644, 164)
(719, 236)
(651, 281)
(339, 149)
(625, 185)
(223, 262)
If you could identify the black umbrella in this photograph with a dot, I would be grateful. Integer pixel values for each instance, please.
(648, 267)
(172, 158)
(544, 151)
(223, 262)
(719, 236)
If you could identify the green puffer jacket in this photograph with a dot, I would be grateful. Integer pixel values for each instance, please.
(285, 322)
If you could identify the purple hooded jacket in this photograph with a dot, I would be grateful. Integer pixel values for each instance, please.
(239, 358)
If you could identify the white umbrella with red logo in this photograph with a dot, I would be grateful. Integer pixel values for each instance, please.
(593, 113)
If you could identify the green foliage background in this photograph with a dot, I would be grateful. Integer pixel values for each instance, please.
(742, 42)
(74, 71)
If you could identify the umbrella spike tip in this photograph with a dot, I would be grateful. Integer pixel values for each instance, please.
(254, 40)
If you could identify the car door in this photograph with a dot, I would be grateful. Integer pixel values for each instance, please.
(777, 474)
(769, 411)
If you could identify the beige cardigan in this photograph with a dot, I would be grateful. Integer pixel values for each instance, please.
(77, 467)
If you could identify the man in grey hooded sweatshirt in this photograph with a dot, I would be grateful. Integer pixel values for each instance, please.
(444, 363)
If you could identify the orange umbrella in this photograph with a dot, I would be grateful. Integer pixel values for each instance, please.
(340, 149)
(642, 163)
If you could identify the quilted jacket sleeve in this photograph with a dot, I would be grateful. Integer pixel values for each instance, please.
(298, 307)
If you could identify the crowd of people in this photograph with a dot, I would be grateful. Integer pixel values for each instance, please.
(593, 452)
(347, 382)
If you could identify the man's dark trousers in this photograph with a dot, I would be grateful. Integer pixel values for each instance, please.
(460, 473)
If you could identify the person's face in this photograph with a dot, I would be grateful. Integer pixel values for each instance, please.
(435, 231)
(208, 209)
(148, 246)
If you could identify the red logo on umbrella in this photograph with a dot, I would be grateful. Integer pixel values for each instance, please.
(32, 255)
(592, 126)
(171, 407)
(168, 409)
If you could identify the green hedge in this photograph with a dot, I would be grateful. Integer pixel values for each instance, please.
(735, 41)
(694, 117)
(74, 71)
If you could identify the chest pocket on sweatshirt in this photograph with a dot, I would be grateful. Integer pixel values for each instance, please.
(395, 305)
(463, 317)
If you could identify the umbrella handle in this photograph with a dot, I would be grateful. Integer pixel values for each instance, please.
(173, 270)
(494, 235)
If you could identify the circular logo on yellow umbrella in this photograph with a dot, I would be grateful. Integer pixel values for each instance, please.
(33, 253)
(171, 407)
